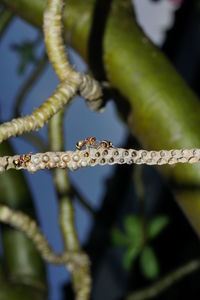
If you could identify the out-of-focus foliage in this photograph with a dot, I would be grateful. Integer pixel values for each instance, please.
(148, 263)
(27, 54)
(156, 225)
(135, 240)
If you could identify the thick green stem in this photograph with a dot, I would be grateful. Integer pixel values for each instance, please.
(164, 112)
(25, 224)
(10, 291)
(21, 259)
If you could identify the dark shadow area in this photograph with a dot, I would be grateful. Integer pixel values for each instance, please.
(122, 104)
(95, 42)
(176, 33)
(182, 45)
(177, 245)
(95, 56)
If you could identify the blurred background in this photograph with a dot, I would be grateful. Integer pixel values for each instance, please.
(115, 205)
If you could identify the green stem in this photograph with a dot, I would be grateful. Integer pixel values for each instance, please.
(81, 275)
(25, 224)
(58, 57)
(19, 292)
(22, 262)
(63, 94)
(166, 282)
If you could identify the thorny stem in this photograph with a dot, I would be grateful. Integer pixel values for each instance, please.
(166, 282)
(27, 225)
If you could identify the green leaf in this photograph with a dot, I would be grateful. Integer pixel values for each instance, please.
(156, 225)
(149, 263)
(130, 256)
(133, 228)
(26, 53)
(118, 238)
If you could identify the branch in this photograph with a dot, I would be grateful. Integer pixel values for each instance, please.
(166, 282)
(54, 43)
(63, 94)
(80, 276)
(75, 160)
(27, 225)
(89, 88)
(23, 264)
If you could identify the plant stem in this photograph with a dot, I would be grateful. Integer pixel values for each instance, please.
(166, 282)
(22, 262)
(80, 276)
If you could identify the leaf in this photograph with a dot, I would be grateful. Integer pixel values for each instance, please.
(133, 228)
(118, 238)
(130, 256)
(156, 225)
(26, 53)
(149, 263)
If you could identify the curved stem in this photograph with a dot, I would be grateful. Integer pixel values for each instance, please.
(63, 94)
(89, 88)
(166, 282)
(22, 262)
(54, 42)
(27, 225)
